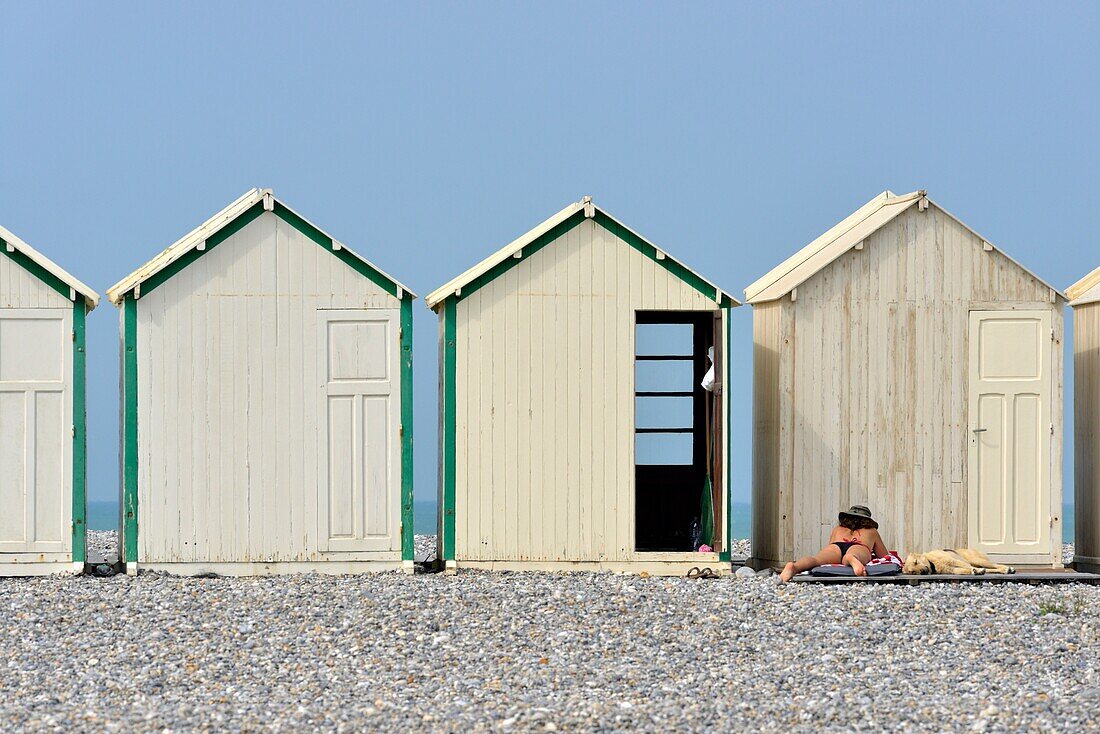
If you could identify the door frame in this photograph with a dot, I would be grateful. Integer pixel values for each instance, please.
(61, 550)
(1052, 477)
(395, 448)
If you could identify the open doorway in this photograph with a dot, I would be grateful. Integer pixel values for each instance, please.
(677, 431)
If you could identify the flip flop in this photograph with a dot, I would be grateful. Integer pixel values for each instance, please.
(694, 573)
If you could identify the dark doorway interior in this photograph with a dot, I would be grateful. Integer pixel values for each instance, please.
(677, 431)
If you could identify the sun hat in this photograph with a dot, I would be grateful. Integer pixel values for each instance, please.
(859, 511)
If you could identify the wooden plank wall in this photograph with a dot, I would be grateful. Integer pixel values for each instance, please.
(1086, 419)
(228, 438)
(871, 395)
(20, 289)
(545, 401)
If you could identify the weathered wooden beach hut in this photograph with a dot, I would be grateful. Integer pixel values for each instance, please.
(1084, 298)
(266, 402)
(43, 432)
(903, 362)
(574, 426)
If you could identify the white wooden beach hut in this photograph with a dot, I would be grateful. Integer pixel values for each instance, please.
(43, 432)
(266, 402)
(574, 431)
(903, 362)
(1084, 297)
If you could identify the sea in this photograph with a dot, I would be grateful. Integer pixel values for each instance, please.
(103, 515)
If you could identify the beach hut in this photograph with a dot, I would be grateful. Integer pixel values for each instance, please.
(43, 444)
(266, 404)
(1084, 298)
(575, 428)
(903, 362)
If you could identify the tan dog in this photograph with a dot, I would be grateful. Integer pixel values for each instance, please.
(965, 561)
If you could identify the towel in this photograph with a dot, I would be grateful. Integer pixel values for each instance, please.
(881, 565)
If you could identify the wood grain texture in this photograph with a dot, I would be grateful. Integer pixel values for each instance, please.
(860, 388)
(1086, 417)
(545, 401)
(231, 450)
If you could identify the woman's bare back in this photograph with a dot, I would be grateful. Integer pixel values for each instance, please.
(868, 537)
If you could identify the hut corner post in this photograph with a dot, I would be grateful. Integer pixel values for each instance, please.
(130, 435)
(80, 437)
(449, 423)
(727, 539)
(408, 554)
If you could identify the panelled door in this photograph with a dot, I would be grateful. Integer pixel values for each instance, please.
(1010, 432)
(360, 498)
(35, 430)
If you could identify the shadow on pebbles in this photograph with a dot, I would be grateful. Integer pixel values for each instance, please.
(542, 652)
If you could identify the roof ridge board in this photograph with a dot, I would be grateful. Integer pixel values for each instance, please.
(1004, 254)
(343, 246)
(819, 243)
(719, 291)
(1084, 285)
(212, 226)
(186, 243)
(447, 289)
(18, 243)
(441, 293)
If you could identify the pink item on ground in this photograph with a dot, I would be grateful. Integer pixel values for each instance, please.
(704, 548)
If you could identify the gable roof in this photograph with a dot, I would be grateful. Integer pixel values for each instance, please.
(851, 231)
(196, 239)
(1086, 290)
(12, 244)
(583, 209)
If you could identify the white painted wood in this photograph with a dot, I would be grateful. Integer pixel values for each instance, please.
(197, 239)
(36, 431)
(360, 409)
(20, 289)
(231, 446)
(869, 387)
(1086, 415)
(516, 246)
(1009, 447)
(544, 385)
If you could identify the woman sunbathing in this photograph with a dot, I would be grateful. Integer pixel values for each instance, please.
(853, 542)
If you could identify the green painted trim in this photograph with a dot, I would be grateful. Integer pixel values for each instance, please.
(727, 554)
(246, 217)
(666, 262)
(449, 361)
(407, 546)
(614, 228)
(38, 271)
(322, 239)
(80, 432)
(530, 249)
(243, 219)
(79, 414)
(130, 430)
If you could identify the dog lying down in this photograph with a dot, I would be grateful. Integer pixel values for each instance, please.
(964, 561)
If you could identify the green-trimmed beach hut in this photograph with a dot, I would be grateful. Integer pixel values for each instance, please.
(266, 403)
(575, 428)
(43, 432)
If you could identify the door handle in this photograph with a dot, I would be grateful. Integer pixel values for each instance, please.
(980, 430)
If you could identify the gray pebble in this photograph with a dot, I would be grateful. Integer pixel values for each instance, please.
(542, 652)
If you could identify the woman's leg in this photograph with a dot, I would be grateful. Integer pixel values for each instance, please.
(857, 557)
(828, 554)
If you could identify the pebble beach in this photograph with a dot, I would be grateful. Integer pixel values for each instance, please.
(543, 652)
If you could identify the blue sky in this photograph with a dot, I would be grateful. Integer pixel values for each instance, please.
(427, 135)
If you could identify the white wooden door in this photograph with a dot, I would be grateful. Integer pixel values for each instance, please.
(360, 495)
(35, 430)
(1010, 432)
